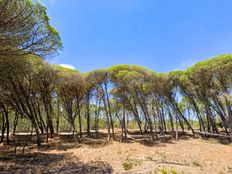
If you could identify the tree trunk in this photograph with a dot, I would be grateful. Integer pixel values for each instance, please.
(176, 127)
(6, 113)
(3, 127)
(136, 115)
(79, 119)
(109, 109)
(146, 114)
(199, 116)
(177, 110)
(163, 118)
(58, 117)
(171, 121)
(124, 125)
(47, 130)
(229, 116)
(15, 122)
(7, 129)
(88, 115)
(107, 115)
(38, 140)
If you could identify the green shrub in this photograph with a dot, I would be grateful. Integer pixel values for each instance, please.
(164, 171)
(149, 158)
(127, 165)
(172, 171)
(196, 163)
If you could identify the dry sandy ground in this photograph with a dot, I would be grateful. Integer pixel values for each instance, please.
(187, 156)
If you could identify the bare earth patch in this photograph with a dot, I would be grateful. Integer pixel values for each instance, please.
(187, 156)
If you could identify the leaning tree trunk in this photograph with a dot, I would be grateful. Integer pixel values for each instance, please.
(199, 116)
(177, 110)
(3, 127)
(210, 117)
(146, 114)
(38, 139)
(136, 114)
(177, 127)
(171, 121)
(229, 116)
(106, 111)
(148, 120)
(109, 109)
(15, 122)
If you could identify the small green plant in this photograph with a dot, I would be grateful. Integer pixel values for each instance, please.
(196, 163)
(127, 165)
(164, 171)
(149, 158)
(173, 171)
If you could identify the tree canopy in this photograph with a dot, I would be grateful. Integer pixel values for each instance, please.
(25, 29)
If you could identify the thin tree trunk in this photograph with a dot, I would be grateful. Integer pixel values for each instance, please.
(109, 109)
(136, 115)
(7, 128)
(38, 140)
(6, 113)
(175, 107)
(15, 122)
(229, 116)
(163, 117)
(79, 119)
(58, 117)
(171, 121)
(47, 130)
(199, 116)
(124, 124)
(3, 127)
(177, 128)
(88, 115)
(107, 115)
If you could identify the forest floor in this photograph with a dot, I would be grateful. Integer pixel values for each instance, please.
(137, 154)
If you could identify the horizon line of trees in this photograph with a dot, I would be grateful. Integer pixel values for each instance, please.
(44, 94)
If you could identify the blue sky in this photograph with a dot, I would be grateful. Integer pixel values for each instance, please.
(162, 35)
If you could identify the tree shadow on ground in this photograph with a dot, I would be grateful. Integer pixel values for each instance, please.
(145, 139)
(49, 163)
(221, 140)
(65, 141)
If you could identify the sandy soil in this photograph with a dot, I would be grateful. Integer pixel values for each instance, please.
(62, 155)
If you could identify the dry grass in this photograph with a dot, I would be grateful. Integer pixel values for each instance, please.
(65, 155)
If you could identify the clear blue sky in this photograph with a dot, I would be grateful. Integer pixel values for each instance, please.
(162, 35)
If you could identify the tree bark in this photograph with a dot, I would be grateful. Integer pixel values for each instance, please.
(88, 114)
(3, 127)
(15, 122)
(109, 109)
(106, 111)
